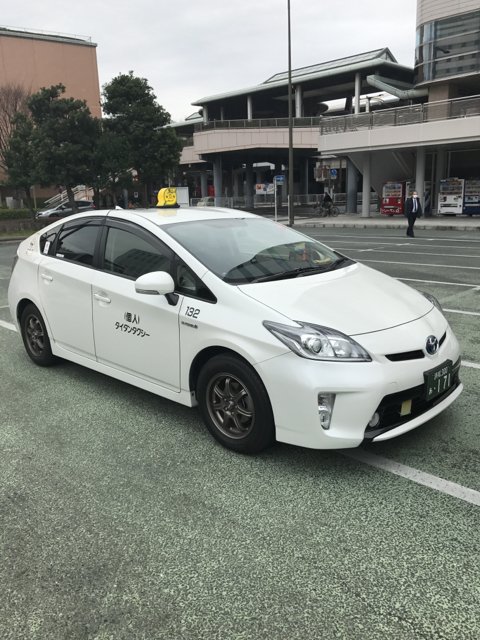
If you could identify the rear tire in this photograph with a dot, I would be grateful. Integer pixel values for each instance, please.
(35, 336)
(235, 405)
(335, 211)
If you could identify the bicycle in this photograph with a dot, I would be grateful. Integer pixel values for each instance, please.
(324, 211)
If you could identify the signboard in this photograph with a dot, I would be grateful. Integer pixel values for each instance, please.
(279, 179)
(265, 189)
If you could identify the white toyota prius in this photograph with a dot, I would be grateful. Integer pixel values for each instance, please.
(272, 334)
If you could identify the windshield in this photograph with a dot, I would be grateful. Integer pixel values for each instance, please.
(240, 250)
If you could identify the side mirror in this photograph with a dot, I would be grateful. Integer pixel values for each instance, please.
(156, 283)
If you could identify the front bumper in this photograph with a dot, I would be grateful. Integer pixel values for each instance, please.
(361, 388)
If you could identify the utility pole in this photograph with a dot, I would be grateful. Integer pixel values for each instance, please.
(291, 217)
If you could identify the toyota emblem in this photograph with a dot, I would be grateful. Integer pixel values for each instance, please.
(432, 345)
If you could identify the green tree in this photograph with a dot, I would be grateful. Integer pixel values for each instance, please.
(110, 166)
(64, 139)
(18, 158)
(134, 114)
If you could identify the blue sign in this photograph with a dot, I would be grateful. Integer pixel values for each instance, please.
(333, 172)
(279, 179)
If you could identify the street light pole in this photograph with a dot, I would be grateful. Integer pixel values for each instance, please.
(291, 218)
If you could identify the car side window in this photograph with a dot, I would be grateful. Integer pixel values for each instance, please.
(47, 241)
(76, 241)
(189, 284)
(131, 256)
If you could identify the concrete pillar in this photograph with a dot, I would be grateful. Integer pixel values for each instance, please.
(367, 163)
(298, 102)
(249, 184)
(236, 183)
(222, 113)
(229, 184)
(358, 90)
(218, 180)
(304, 177)
(439, 175)
(205, 114)
(249, 108)
(203, 180)
(420, 175)
(352, 187)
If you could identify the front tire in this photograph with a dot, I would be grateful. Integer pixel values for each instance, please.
(35, 336)
(335, 211)
(234, 405)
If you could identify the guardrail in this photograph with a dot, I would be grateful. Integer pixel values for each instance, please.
(414, 114)
(268, 200)
(257, 123)
(41, 32)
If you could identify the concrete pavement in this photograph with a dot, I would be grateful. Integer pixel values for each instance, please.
(378, 221)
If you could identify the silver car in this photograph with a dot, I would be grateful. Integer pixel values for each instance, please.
(64, 209)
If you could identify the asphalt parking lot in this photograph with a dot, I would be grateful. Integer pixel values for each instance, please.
(123, 519)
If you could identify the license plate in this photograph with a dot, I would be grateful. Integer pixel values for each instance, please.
(439, 380)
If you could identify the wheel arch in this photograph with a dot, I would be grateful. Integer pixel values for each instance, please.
(204, 356)
(24, 302)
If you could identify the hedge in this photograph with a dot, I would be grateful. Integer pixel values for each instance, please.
(14, 214)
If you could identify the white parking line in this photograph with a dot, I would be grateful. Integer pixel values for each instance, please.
(423, 264)
(466, 313)
(410, 253)
(396, 237)
(426, 479)
(474, 287)
(473, 365)
(8, 325)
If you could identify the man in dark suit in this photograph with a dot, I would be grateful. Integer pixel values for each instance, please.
(413, 210)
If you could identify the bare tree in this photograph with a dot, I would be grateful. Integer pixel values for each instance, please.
(13, 99)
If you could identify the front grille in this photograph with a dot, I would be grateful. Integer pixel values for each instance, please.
(390, 406)
(412, 355)
(406, 355)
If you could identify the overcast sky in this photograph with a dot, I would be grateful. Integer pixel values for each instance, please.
(189, 49)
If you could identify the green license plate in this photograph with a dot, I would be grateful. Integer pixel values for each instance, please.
(439, 380)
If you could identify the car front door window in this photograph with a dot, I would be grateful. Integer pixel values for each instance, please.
(134, 332)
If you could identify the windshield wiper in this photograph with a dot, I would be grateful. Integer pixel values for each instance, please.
(291, 274)
(303, 271)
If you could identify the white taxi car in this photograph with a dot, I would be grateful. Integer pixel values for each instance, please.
(272, 334)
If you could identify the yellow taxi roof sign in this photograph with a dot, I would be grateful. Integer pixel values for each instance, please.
(167, 197)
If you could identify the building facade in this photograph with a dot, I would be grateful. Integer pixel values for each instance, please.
(381, 120)
(39, 59)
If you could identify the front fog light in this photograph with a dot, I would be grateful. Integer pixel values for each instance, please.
(375, 420)
(325, 409)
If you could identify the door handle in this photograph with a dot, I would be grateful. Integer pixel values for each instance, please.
(97, 296)
(46, 277)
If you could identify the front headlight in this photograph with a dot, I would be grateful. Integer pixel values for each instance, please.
(318, 343)
(433, 300)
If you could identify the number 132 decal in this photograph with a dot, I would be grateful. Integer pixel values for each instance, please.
(191, 312)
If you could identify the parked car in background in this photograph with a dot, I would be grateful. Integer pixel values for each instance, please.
(64, 209)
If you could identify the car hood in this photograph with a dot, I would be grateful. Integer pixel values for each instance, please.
(353, 300)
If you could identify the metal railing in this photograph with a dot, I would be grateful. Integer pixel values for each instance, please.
(257, 123)
(414, 114)
(63, 197)
(40, 32)
(307, 201)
